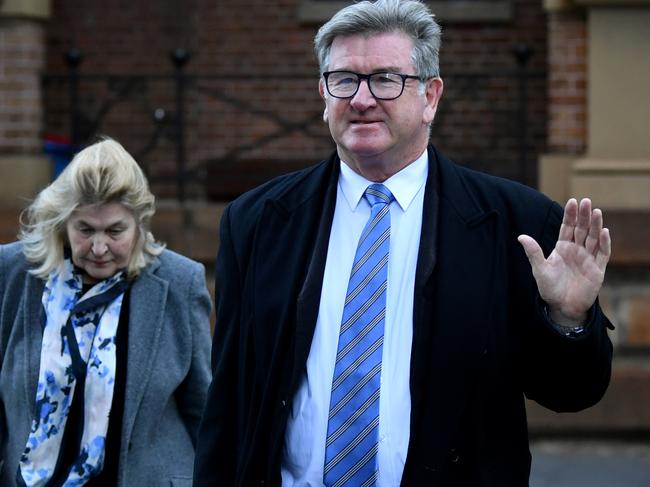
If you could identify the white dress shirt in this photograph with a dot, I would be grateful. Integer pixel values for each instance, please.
(304, 445)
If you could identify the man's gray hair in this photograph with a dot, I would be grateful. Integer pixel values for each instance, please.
(411, 17)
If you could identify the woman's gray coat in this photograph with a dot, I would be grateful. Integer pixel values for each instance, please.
(168, 370)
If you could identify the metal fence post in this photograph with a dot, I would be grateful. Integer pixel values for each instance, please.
(522, 55)
(180, 57)
(73, 58)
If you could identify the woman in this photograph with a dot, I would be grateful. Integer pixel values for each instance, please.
(104, 336)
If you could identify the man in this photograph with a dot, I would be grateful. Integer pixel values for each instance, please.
(388, 336)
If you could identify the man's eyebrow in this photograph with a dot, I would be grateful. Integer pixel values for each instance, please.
(383, 69)
(388, 69)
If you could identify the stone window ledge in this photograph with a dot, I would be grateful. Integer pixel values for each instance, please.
(319, 11)
(35, 9)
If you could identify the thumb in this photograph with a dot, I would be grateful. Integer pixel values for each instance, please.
(533, 251)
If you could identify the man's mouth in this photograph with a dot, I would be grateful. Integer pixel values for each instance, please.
(363, 122)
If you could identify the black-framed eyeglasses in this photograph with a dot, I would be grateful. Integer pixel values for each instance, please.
(383, 86)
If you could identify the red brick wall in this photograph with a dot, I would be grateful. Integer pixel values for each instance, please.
(567, 130)
(21, 64)
(477, 123)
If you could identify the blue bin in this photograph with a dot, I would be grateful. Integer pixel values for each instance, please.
(60, 152)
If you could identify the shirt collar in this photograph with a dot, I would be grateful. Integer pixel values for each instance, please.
(404, 184)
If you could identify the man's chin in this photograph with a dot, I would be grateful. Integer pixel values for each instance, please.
(365, 148)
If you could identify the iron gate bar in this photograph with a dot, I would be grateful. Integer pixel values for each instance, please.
(125, 87)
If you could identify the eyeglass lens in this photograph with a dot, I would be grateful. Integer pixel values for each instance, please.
(345, 84)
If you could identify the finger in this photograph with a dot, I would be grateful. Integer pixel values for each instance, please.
(569, 220)
(533, 251)
(584, 217)
(605, 249)
(596, 225)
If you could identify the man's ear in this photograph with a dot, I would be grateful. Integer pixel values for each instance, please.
(323, 95)
(433, 94)
(321, 89)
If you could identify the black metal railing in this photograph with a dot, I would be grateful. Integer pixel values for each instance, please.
(181, 93)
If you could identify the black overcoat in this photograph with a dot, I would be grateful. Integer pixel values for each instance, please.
(481, 341)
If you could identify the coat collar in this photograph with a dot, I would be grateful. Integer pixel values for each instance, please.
(453, 229)
(34, 320)
(446, 194)
(316, 182)
(451, 302)
(446, 197)
(309, 297)
(444, 178)
(143, 340)
(145, 325)
(454, 190)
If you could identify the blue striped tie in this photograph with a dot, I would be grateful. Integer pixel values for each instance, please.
(352, 429)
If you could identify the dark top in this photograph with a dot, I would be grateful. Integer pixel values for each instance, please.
(74, 426)
(481, 341)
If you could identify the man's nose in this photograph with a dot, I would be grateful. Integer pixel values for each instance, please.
(363, 98)
(99, 246)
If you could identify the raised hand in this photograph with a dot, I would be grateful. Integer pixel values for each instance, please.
(571, 277)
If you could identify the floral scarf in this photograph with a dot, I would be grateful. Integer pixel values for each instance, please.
(78, 340)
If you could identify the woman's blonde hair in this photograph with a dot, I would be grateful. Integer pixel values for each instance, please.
(101, 173)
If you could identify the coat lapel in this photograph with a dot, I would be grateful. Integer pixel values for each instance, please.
(33, 326)
(309, 297)
(457, 253)
(146, 310)
(295, 239)
(148, 300)
(457, 243)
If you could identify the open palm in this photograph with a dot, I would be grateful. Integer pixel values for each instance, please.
(571, 277)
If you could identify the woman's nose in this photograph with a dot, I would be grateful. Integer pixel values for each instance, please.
(99, 246)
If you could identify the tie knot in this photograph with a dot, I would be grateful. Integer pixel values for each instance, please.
(378, 194)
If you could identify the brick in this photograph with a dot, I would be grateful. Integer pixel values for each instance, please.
(225, 37)
(8, 224)
(622, 411)
(567, 89)
(638, 326)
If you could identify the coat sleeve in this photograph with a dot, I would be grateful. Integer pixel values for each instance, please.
(3, 277)
(194, 388)
(564, 373)
(216, 456)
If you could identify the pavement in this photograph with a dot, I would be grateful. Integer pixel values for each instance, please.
(590, 463)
